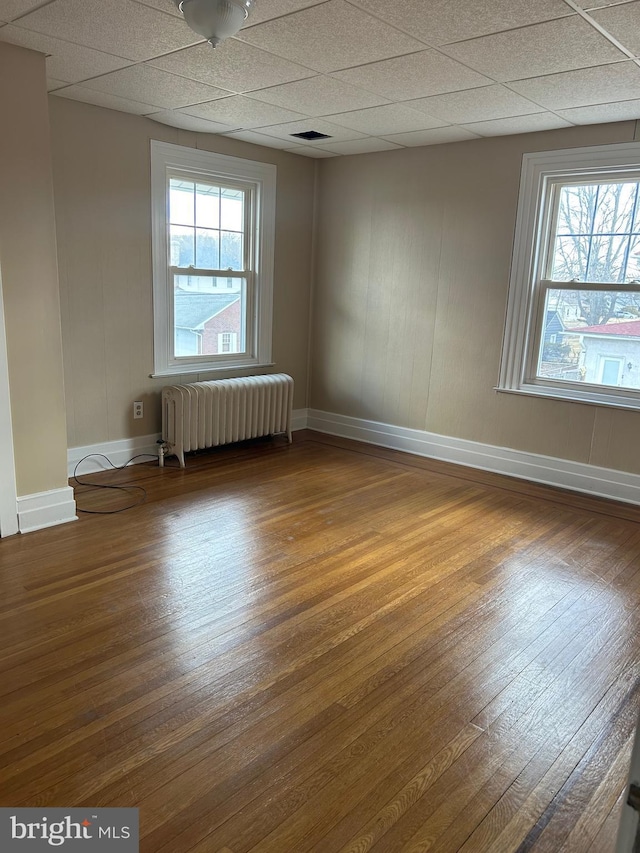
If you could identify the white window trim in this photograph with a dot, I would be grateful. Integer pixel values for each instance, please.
(539, 171)
(166, 157)
(8, 489)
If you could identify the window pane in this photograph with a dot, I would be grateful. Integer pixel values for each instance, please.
(570, 259)
(231, 251)
(232, 210)
(615, 208)
(594, 233)
(207, 206)
(576, 209)
(207, 249)
(181, 246)
(607, 259)
(633, 264)
(591, 337)
(181, 202)
(636, 218)
(208, 315)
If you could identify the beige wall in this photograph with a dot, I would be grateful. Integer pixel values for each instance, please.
(29, 274)
(103, 212)
(413, 253)
(414, 250)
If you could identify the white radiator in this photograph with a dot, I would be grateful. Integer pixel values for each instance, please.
(206, 414)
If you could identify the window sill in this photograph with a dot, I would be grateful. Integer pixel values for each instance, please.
(195, 371)
(569, 395)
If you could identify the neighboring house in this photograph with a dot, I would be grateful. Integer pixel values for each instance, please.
(206, 322)
(611, 354)
(561, 349)
(554, 328)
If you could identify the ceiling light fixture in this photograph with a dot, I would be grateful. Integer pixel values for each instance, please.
(216, 20)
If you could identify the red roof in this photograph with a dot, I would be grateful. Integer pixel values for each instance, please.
(628, 329)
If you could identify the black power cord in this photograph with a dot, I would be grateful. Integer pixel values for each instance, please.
(126, 489)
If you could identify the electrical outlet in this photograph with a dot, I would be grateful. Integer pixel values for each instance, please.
(138, 409)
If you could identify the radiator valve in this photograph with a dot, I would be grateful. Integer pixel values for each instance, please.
(163, 449)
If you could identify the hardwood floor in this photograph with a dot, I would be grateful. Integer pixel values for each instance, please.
(327, 647)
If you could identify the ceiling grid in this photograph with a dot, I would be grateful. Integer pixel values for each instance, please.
(373, 75)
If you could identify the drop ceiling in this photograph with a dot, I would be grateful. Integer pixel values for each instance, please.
(373, 75)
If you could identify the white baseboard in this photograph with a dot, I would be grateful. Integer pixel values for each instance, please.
(299, 419)
(46, 509)
(549, 470)
(118, 452)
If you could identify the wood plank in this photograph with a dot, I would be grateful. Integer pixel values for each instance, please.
(605, 840)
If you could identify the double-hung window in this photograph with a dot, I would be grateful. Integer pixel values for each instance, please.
(573, 316)
(213, 243)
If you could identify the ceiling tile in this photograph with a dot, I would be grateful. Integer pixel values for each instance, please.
(415, 76)
(308, 151)
(586, 86)
(265, 10)
(65, 61)
(163, 5)
(152, 86)
(361, 146)
(623, 22)
(330, 36)
(598, 4)
(175, 118)
(242, 112)
(432, 137)
(258, 138)
(620, 111)
(120, 27)
(488, 102)
(234, 65)
(318, 96)
(351, 68)
(391, 118)
(518, 124)
(441, 21)
(101, 99)
(10, 9)
(284, 131)
(539, 49)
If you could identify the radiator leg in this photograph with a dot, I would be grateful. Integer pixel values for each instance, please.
(161, 456)
(180, 455)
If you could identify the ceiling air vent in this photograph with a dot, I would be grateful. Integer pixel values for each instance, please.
(311, 134)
